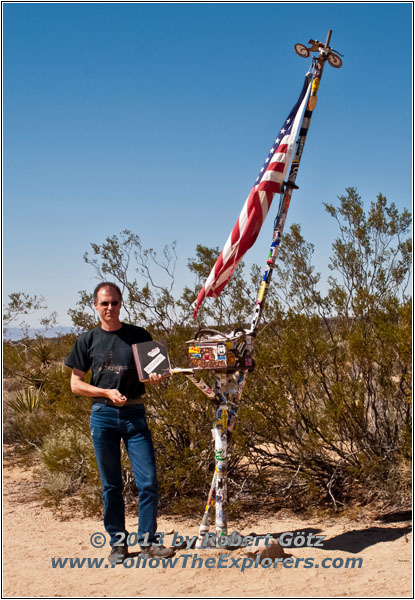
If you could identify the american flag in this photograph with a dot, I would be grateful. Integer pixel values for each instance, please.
(257, 204)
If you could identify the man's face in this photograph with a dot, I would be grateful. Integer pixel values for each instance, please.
(108, 305)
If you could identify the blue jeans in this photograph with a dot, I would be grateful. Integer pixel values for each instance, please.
(108, 426)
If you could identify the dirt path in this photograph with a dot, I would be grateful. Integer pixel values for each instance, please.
(33, 535)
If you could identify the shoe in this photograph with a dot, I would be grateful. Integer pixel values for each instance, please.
(158, 551)
(118, 554)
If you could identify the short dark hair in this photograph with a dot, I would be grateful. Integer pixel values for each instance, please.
(106, 284)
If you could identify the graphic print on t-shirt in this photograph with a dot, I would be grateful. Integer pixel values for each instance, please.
(109, 364)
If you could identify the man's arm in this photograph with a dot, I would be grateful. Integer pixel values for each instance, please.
(79, 386)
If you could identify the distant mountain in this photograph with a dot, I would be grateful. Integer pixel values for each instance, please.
(15, 333)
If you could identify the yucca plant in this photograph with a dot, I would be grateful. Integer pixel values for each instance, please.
(26, 401)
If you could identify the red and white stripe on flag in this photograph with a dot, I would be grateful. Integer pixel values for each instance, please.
(257, 205)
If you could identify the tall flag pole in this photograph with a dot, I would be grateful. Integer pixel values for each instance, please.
(325, 53)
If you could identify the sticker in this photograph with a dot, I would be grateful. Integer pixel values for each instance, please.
(221, 350)
(232, 422)
(224, 418)
(154, 364)
(194, 350)
(205, 364)
(221, 520)
(262, 291)
(231, 359)
(241, 347)
(219, 455)
(211, 499)
(315, 85)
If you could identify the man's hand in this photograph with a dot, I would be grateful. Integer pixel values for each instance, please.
(116, 397)
(155, 378)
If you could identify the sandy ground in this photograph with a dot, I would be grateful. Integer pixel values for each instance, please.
(33, 535)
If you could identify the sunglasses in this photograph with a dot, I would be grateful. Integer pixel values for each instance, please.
(105, 303)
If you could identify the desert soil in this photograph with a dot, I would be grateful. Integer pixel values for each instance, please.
(33, 535)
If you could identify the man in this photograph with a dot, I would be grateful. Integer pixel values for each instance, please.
(118, 413)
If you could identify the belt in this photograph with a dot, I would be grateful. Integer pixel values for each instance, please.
(130, 402)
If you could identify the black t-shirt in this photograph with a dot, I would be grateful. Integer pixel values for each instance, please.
(110, 357)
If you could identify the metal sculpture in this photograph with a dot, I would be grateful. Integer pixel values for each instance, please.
(230, 356)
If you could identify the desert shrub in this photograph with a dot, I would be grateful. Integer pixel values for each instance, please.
(27, 430)
(180, 424)
(68, 460)
(334, 411)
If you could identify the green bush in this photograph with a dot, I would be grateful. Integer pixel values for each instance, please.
(333, 412)
(69, 462)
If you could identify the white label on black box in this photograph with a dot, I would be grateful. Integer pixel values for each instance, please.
(154, 364)
(153, 352)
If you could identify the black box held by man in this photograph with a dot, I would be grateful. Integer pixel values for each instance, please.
(151, 357)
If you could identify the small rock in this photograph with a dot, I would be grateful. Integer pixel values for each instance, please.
(274, 550)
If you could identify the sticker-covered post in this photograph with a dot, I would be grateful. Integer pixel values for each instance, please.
(228, 390)
(231, 355)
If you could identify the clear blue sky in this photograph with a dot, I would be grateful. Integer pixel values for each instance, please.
(157, 118)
